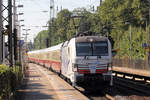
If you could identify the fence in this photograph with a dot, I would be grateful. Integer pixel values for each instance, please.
(135, 64)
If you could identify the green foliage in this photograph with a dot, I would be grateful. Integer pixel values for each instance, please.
(111, 17)
(41, 37)
(95, 23)
(10, 78)
(114, 15)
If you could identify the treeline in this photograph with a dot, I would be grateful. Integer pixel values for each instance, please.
(127, 21)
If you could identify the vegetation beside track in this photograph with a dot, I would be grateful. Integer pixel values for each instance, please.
(116, 17)
(10, 80)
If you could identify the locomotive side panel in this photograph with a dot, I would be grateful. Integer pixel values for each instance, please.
(67, 55)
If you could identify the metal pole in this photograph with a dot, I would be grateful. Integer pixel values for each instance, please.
(147, 43)
(26, 37)
(100, 2)
(146, 32)
(51, 7)
(15, 31)
(1, 34)
(10, 35)
(130, 43)
(50, 25)
(40, 41)
(14, 14)
(19, 35)
(148, 55)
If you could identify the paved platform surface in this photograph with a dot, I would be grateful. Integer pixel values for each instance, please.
(45, 85)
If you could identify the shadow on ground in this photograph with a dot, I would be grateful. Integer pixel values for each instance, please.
(25, 90)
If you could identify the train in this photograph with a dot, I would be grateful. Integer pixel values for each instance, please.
(82, 59)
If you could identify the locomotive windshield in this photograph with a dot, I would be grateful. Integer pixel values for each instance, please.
(100, 49)
(84, 49)
(92, 49)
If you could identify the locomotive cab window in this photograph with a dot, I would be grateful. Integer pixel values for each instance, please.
(92, 49)
(84, 49)
(100, 49)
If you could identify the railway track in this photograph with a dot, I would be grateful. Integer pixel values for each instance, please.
(95, 95)
(144, 79)
(132, 86)
(126, 88)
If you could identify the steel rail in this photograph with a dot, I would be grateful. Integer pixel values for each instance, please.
(137, 87)
(132, 75)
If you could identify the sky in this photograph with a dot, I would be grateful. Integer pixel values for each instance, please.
(34, 15)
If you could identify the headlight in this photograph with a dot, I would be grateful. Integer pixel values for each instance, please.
(109, 66)
(75, 67)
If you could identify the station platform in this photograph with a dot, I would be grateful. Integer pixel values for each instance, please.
(43, 84)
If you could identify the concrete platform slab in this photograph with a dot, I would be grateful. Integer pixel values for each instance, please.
(43, 84)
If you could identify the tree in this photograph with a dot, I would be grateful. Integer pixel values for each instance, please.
(115, 13)
(62, 23)
(41, 37)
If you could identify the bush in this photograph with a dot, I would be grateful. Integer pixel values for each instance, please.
(10, 79)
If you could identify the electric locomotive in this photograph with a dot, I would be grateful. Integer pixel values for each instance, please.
(85, 58)
(82, 59)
